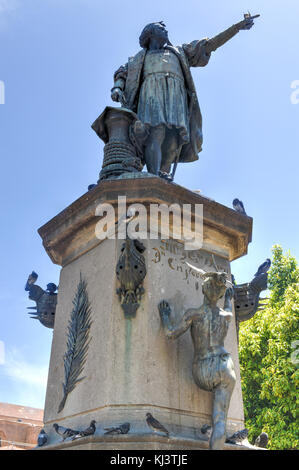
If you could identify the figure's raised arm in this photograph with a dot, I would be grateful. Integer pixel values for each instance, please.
(171, 331)
(222, 38)
(198, 53)
(229, 295)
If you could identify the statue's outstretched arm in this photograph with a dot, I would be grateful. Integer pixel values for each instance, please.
(218, 41)
(171, 331)
(198, 53)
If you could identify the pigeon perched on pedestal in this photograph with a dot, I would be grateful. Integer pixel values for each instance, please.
(32, 278)
(238, 206)
(90, 430)
(263, 268)
(238, 436)
(206, 429)
(65, 432)
(155, 425)
(262, 440)
(86, 432)
(122, 429)
(42, 438)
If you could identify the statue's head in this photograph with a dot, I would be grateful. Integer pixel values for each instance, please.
(153, 30)
(214, 285)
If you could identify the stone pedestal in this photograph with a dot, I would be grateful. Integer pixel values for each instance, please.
(131, 368)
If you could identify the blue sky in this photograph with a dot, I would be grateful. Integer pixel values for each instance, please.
(57, 59)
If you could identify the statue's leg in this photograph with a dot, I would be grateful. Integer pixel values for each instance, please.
(153, 149)
(221, 398)
(170, 149)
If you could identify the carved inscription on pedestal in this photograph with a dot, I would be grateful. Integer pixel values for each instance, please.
(171, 254)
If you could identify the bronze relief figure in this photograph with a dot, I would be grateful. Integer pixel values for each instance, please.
(212, 368)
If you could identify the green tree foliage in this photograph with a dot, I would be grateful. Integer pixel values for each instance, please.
(268, 359)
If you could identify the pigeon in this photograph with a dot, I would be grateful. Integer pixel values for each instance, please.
(32, 277)
(238, 436)
(86, 432)
(122, 429)
(31, 280)
(42, 438)
(155, 425)
(51, 288)
(90, 430)
(262, 440)
(65, 432)
(238, 206)
(91, 186)
(263, 268)
(206, 429)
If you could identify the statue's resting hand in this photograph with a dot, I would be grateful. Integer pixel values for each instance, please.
(117, 94)
(164, 308)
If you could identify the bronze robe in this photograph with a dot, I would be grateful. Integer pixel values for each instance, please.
(129, 78)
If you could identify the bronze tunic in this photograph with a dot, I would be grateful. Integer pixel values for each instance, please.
(163, 97)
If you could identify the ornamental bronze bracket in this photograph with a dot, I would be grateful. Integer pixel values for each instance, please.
(131, 271)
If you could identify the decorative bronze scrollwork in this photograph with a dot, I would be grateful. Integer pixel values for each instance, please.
(130, 272)
(46, 301)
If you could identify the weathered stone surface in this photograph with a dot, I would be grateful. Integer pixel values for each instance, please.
(72, 232)
(131, 368)
(144, 441)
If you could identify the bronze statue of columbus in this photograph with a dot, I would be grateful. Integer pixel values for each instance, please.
(157, 85)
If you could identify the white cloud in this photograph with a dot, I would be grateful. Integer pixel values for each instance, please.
(20, 370)
(22, 382)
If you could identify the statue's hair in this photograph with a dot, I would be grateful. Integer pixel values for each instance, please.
(211, 277)
(147, 33)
